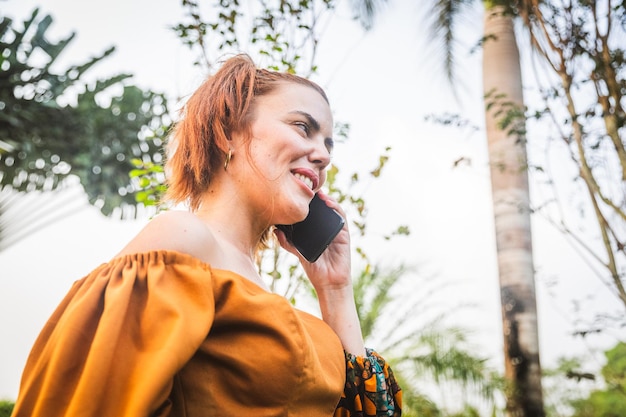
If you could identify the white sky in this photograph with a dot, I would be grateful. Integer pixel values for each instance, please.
(383, 84)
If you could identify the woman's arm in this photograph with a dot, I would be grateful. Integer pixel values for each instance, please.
(339, 312)
(371, 388)
(331, 278)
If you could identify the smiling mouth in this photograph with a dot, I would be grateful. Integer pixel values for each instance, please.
(307, 180)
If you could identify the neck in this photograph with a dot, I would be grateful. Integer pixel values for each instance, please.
(237, 239)
(230, 220)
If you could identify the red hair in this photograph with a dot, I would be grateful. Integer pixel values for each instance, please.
(221, 106)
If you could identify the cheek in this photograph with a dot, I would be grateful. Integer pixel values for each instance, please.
(322, 179)
(259, 151)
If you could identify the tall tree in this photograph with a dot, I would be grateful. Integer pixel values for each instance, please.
(580, 74)
(506, 143)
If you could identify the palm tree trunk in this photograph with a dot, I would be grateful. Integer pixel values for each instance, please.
(502, 83)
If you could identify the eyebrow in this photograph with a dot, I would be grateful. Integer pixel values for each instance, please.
(314, 124)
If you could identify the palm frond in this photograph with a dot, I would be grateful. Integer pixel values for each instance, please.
(365, 11)
(25, 213)
(443, 26)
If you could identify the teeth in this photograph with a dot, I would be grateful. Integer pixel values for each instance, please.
(305, 180)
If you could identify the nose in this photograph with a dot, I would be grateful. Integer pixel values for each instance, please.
(320, 154)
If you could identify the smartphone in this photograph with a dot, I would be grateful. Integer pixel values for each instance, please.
(312, 236)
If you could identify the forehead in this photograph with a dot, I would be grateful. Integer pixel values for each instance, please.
(293, 97)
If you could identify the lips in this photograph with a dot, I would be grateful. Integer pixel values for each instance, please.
(308, 177)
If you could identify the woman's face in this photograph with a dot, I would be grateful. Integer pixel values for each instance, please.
(289, 149)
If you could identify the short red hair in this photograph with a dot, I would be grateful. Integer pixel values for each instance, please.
(221, 106)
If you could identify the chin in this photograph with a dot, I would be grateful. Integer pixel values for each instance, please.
(301, 210)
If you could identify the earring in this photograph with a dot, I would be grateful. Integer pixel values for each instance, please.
(229, 156)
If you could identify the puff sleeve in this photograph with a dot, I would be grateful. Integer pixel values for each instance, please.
(114, 344)
(371, 389)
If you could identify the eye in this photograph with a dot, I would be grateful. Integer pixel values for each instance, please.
(303, 126)
(330, 144)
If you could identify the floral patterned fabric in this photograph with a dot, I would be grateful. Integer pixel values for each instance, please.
(371, 388)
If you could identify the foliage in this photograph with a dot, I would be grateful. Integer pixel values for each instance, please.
(573, 391)
(54, 124)
(283, 34)
(577, 128)
(581, 73)
(565, 384)
(443, 26)
(399, 313)
(149, 179)
(365, 11)
(6, 408)
(614, 372)
(444, 358)
(602, 404)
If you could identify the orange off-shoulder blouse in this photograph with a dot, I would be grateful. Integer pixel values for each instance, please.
(163, 334)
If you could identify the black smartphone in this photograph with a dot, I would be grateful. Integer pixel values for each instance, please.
(312, 235)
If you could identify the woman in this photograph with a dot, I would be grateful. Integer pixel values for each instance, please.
(180, 323)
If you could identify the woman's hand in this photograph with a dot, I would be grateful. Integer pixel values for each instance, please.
(331, 271)
(330, 276)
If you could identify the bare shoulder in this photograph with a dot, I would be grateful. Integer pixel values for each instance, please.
(179, 231)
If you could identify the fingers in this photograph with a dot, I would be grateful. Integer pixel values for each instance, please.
(285, 244)
(282, 239)
(332, 203)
